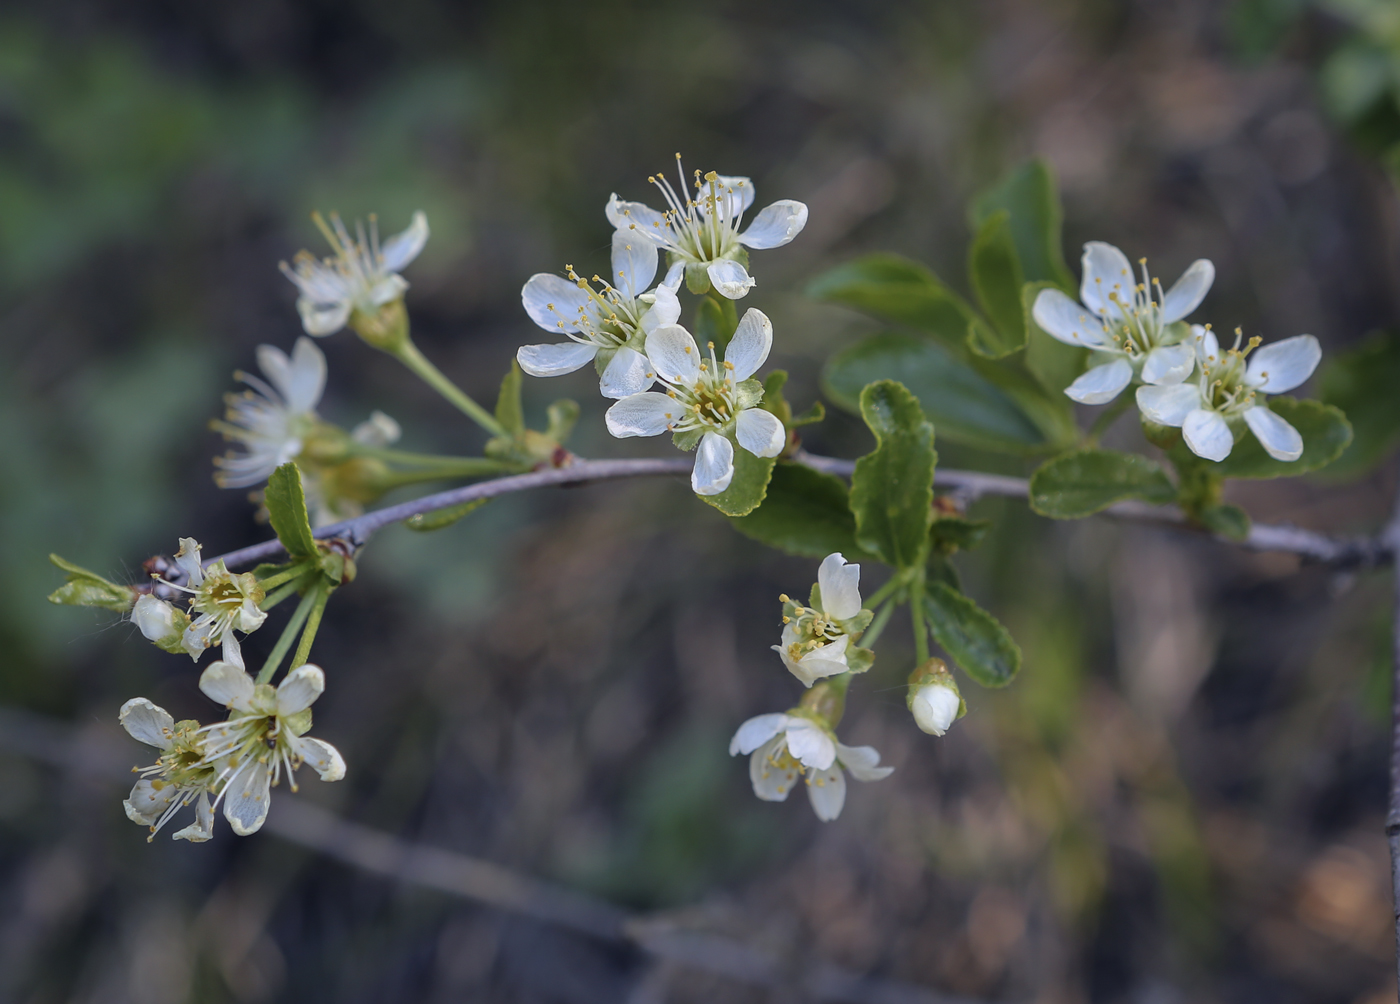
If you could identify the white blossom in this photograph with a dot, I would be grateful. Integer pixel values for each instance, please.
(783, 747)
(272, 419)
(220, 603)
(816, 639)
(1230, 389)
(179, 776)
(607, 326)
(935, 708)
(159, 621)
(1133, 334)
(703, 231)
(363, 275)
(264, 734)
(707, 402)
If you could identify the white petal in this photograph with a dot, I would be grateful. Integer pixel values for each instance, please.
(146, 803)
(633, 262)
(827, 791)
(321, 319)
(246, 798)
(299, 689)
(553, 302)
(1207, 345)
(648, 414)
(1283, 365)
(1207, 434)
(377, 430)
(1187, 292)
(629, 372)
(1169, 364)
(154, 618)
(188, 560)
(202, 828)
(555, 360)
(403, 247)
(736, 188)
(770, 782)
(752, 341)
(757, 731)
(1063, 319)
(233, 652)
(760, 432)
(840, 586)
(199, 636)
(1168, 405)
(1106, 271)
(811, 744)
(714, 465)
(730, 279)
(1102, 383)
(1279, 439)
(148, 722)
(775, 225)
(864, 761)
(674, 354)
(935, 708)
(227, 684)
(636, 218)
(829, 660)
(665, 308)
(674, 276)
(322, 756)
(308, 376)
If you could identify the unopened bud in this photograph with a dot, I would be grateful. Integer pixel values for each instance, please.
(934, 698)
(160, 622)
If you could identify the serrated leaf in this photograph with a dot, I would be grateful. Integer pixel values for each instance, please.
(940, 569)
(957, 533)
(964, 405)
(973, 638)
(1326, 434)
(436, 520)
(746, 491)
(892, 487)
(85, 588)
(1029, 198)
(509, 411)
(286, 509)
(1362, 382)
(1087, 481)
(805, 513)
(997, 279)
(902, 292)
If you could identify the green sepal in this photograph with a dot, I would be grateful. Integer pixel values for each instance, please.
(777, 404)
(1325, 430)
(1027, 194)
(950, 534)
(1087, 481)
(337, 567)
(745, 493)
(716, 319)
(509, 410)
(748, 394)
(855, 626)
(286, 509)
(88, 589)
(1362, 382)
(1229, 521)
(805, 512)
(975, 640)
(859, 660)
(440, 518)
(174, 643)
(996, 277)
(688, 439)
(892, 487)
(697, 278)
(562, 416)
(299, 723)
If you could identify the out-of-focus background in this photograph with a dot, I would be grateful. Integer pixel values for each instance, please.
(1182, 796)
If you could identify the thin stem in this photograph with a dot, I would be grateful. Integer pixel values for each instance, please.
(885, 590)
(274, 658)
(877, 625)
(408, 354)
(278, 595)
(322, 591)
(916, 614)
(286, 575)
(1107, 418)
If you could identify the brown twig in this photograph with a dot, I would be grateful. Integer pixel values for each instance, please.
(1392, 819)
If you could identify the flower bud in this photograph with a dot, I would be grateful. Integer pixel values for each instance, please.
(160, 622)
(934, 698)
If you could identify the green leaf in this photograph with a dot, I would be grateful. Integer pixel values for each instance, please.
(892, 487)
(806, 513)
(286, 507)
(1362, 382)
(964, 405)
(436, 520)
(902, 292)
(716, 319)
(1055, 364)
(750, 483)
(996, 276)
(956, 533)
(1029, 198)
(1087, 481)
(1227, 520)
(940, 569)
(562, 416)
(509, 411)
(1326, 434)
(88, 589)
(973, 638)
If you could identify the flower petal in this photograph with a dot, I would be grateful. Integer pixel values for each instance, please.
(665, 308)
(556, 359)
(1207, 345)
(403, 247)
(864, 761)
(1207, 434)
(730, 279)
(1283, 365)
(554, 303)
(1187, 292)
(775, 225)
(829, 660)
(738, 189)
(627, 373)
(147, 803)
(827, 791)
(1106, 271)
(648, 414)
(377, 430)
(771, 782)
(321, 319)
(674, 354)
(322, 756)
(154, 618)
(202, 828)
(1279, 439)
(1102, 383)
(636, 218)
(840, 586)
(633, 262)
(714, 465)
(760, 432)
(247, 797)
(1168, 405)
(935, 708)
(187, 558)
(1169, 364)
(675, 275)
(299, 689)
(757, 731)
(150, 723)
(1069, 322)
(227, 684)
(752, 341)
(810, 743)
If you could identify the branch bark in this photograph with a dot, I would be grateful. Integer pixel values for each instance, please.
(1392, 819)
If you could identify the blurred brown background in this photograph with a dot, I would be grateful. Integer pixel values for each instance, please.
(1180, 799)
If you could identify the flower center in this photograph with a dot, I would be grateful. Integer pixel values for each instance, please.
(1135, 320)
(1222, 377)
(704, 228)
(710, 402)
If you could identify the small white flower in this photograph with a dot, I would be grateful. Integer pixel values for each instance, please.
(220, 602)
(159, 621)
(363, 276)
(273, 419)
(784, 747)
(177, 778)
(1129, 329)
(607, 326)
(265, 733)
(1230, 388)
(935, 708)
(703, 232)
(707, 402)
(815, 639)
(378, 430)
